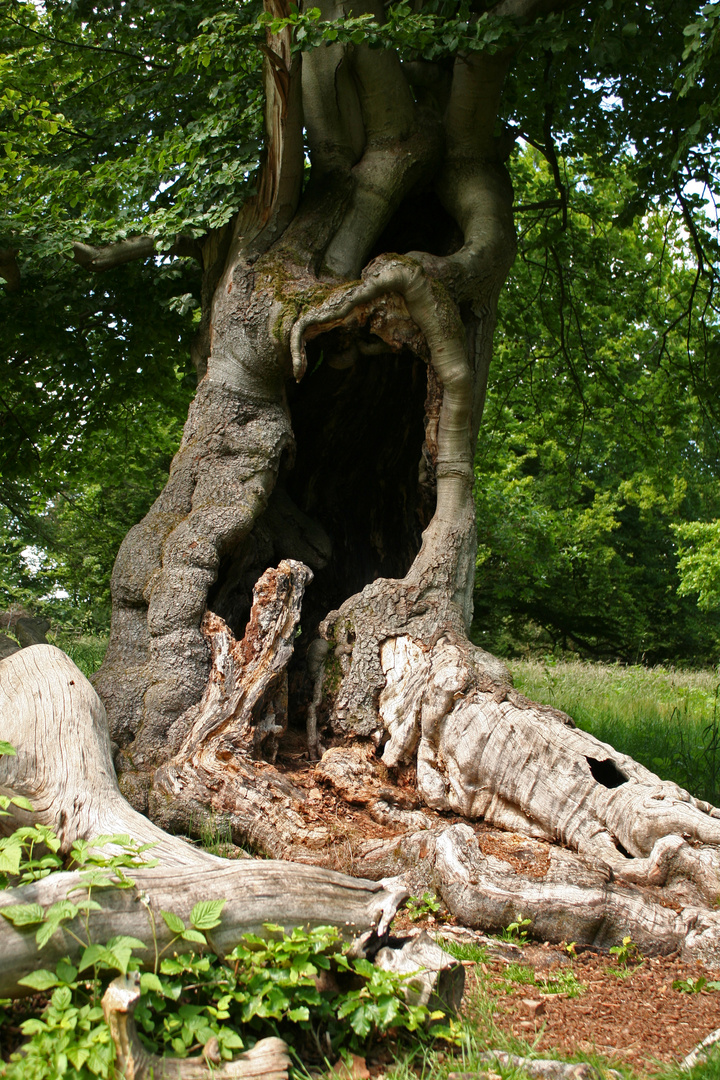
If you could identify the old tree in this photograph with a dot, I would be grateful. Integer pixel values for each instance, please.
(289, 651)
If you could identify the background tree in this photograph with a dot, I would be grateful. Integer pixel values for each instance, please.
(346, 320)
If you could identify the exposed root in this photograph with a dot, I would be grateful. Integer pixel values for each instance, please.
(484, 756)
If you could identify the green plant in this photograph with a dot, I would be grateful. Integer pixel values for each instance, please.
(564, 981)
(71, 1041)
(302, 985)
(519, 973)
(560, 982)
(419, 907)
(694, 986)
(626, 954)
(465, 950)
(517, 932)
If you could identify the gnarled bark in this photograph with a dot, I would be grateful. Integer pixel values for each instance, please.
(350, 335)
(55, 721)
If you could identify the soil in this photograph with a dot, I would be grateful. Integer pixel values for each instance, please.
(632, 1015)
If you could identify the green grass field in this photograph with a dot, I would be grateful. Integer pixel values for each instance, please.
(669, 720)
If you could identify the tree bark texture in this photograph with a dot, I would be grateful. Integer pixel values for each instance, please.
(55, 721)
(301, 590)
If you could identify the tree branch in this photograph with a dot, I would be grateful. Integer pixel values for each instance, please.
(84, 45)
(136, 247)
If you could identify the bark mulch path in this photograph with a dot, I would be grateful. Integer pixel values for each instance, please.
(634, 1018)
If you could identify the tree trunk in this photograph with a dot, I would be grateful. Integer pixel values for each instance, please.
(327, 461)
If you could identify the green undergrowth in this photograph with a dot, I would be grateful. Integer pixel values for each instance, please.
(302, 986)
(668, 720)
(85, 650)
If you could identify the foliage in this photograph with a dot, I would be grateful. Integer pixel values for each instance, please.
(517, 931)
(699, 561)
(419, 907)
(266, 985)
(695, 986)
(627, 953)
(599, 443)
(666, 719)
(563, 981)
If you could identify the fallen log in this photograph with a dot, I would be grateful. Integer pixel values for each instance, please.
(52, 716)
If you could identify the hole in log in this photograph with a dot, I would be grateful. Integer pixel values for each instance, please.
(606, 772)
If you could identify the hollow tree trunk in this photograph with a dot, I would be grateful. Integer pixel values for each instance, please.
(327, 461)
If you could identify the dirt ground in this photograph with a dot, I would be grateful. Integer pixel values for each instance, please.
(631, 1015)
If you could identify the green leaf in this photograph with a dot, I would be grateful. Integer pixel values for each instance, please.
(149, 981)
(22, 802)
(92, 955)
(40, 980)
(7, 749)
(173, 922)
(10, 856)
(23, 914)
(296, 1015)
(194, 935)
(66, 972)
(206, 914)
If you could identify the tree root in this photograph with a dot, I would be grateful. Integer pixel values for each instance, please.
(482, 754)
(491, 878)
(268, 1059)
(55, 721)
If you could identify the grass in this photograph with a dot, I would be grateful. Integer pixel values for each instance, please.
(666, 719)
(83, 649)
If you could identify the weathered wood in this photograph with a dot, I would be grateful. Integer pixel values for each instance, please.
(54, 719)
(256, 891)
(490, 879)
(268, 1059)
(434, 977)
(218, 772)
(485, 752)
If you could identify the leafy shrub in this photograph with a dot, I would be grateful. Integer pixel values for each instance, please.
(301, 986)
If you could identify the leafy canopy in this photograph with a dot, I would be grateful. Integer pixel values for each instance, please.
(129, 118)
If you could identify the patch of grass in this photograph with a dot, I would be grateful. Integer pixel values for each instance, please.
(465, 950)
(704, 1070)
(558, 982)
(668, 720)
(520, 973)
(86, 651)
